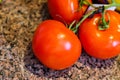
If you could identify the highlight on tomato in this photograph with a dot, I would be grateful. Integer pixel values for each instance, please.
(67, 11)
(55, 46)
(101, 43)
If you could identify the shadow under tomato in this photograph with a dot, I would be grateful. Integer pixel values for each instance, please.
(37, 68)
(33, 65)
(92, 62)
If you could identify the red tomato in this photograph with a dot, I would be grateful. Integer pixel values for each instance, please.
(101, 44)
(56, 46)
(66, 10)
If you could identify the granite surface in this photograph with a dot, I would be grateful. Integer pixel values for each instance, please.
(18, 21)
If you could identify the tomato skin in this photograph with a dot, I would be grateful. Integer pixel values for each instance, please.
(56, 46)
(66, 11)
(102, 44)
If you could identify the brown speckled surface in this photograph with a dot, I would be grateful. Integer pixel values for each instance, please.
(18, 21)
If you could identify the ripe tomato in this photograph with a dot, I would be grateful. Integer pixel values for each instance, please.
(55, 46)
(67, 10)
(101, 44)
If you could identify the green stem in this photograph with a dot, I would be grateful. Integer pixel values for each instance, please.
(84, 17)
(113, 1)
(105, 24)
(75, 29)
(90, 4)
(71, 25)
(112, 5)
(86, 2)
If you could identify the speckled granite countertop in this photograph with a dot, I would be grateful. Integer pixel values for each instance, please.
(18, 21)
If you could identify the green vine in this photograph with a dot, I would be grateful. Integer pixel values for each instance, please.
(103, 24)
(83, 2)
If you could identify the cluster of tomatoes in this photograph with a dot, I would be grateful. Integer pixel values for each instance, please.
(58, 47)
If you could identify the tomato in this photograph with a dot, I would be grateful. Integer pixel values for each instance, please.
(66, 11)
(55, 46)
(102, 44)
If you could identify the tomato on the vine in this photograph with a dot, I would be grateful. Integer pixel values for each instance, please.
(56, 46)
(102, 44)
(66, 10)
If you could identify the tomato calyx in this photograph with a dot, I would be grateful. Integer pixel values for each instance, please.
(74, 26)
(103, 24)
(83, 2)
